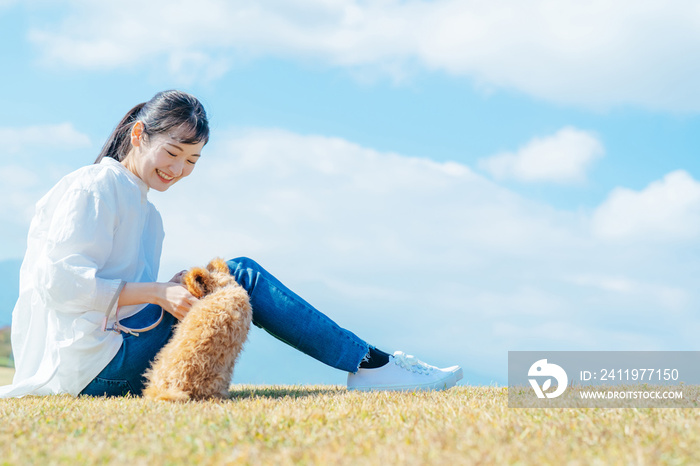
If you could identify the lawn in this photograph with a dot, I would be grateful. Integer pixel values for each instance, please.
(329, 425)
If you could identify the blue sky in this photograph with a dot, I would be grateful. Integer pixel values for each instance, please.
(473, 178)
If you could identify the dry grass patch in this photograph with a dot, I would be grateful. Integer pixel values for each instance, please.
(6, 374)
(329, 425)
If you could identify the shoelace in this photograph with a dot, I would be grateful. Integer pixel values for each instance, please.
(412, 363)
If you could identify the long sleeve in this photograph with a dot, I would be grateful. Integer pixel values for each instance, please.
(94, 229)
(80, 241)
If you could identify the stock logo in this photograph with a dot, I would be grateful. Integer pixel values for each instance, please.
(542, 368)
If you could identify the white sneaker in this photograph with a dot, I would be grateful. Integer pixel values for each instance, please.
(404, 373)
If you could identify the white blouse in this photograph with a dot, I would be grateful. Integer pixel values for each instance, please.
(94, 229)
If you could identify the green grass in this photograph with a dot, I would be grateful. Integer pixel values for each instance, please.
(5, 348)
(329, 425)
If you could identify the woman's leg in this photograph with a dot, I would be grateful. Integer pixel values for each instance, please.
(292, 320)
(289, 318)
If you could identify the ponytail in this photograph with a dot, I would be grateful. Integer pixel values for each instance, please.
(175, 113)
(117, 146)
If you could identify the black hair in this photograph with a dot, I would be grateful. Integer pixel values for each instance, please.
(176, 113)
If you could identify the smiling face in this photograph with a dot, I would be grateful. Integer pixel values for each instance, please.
(160, 160)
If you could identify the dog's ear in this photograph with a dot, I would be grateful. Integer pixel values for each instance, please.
(218, 265)
(196, 281)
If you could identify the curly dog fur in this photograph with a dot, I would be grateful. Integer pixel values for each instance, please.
(197, 363)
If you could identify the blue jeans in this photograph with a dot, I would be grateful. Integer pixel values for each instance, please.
(276, 309)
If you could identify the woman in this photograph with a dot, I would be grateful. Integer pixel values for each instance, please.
(95, 243)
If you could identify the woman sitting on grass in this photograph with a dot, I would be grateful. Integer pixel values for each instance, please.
(95, 241)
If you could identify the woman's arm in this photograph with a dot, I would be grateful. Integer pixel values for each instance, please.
(80, 241)
(173, 297)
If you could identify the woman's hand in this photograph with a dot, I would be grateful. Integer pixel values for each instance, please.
(176, 299)
(172, 297)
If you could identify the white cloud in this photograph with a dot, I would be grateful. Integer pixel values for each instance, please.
(666, 210)
(597, 53)
(57, 137)
(17, 183)
(552, 336)
(561, 158)
(14, 177)
(34, 158)
(358, 203)
(668, 297)
(443, 262)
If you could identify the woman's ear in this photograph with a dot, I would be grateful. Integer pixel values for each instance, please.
(137, 134)
(218, 265)
(196, 281)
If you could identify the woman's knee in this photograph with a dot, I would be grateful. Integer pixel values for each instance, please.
(244, 263)
(246, 272)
